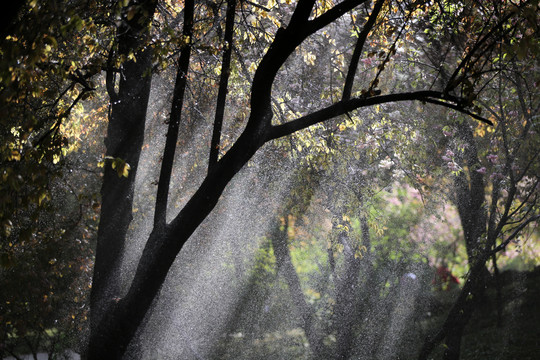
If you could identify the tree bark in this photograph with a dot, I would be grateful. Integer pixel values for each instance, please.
(469, 200)
(223, 84)
(122, 319)
(470, 196)
(162, 196)
(125, 135)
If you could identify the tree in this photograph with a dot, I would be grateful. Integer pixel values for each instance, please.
(496, 209)
(48, 200)
(117, 316)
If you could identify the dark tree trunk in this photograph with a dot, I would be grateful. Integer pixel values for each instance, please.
(470, 196)
(162, 196)
(460, 314)
(470, 202)
(125, 135)
(119, 324)
(345, 313)
(116, 191)
(223, 84)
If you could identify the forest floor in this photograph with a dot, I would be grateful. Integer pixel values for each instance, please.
(517, 336)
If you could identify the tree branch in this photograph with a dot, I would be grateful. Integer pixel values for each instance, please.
(110, 77)
(333, 14)
(286, 40)
(452, 82)
(460, 109)
(257, 5)
(160, 213)
(345, 106)
(223, 84)
(301, 12)
(353, 65)
(514, 234)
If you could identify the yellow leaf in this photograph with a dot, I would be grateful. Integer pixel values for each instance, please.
(15, 155)
(131, 12)
(42, 197)
(309, 58)
(125, 170)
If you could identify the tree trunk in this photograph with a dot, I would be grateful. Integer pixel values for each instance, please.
(119, 324)
(470, 201)
(125, 135)
(470, 196)
(459, 315)
(348, 302)
(305, 311)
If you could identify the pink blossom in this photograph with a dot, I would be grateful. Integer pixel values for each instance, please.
(492, 158)
(449, 153)
(447, 133)
(446, 158)
(453, 166)
(482, 170)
